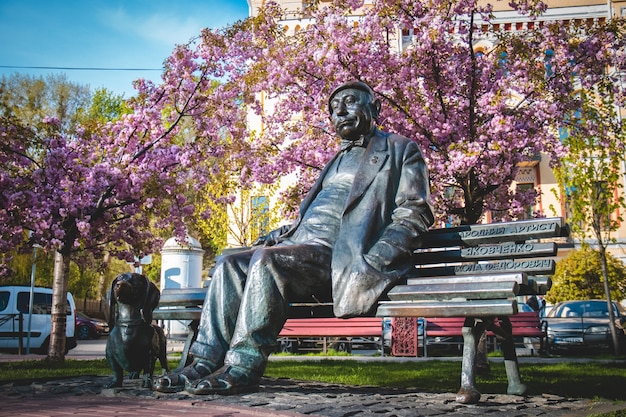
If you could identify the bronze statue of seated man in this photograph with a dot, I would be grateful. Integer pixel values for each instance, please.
(352, 241)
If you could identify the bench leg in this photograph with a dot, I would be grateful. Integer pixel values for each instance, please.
(510, 359)
(472, 330)
(192, 333)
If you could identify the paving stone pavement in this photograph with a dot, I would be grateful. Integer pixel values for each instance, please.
(87, 396)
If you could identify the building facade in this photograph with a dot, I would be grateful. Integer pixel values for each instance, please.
(537, 173)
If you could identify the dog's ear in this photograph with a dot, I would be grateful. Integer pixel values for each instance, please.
(153, 295)
(112, 303)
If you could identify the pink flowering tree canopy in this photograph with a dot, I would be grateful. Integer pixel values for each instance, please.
(104, 191)
(477, 114)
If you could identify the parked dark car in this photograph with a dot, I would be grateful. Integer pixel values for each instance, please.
(90, 328)
(573, 325)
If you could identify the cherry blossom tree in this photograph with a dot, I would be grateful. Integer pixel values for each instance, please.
(97, 192)
(476, 116)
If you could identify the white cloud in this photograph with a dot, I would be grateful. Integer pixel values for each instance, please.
(168, 27)
(158, 28)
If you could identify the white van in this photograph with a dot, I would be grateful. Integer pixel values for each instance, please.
(15, 299)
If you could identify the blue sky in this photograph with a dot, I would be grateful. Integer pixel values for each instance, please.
(114, 34)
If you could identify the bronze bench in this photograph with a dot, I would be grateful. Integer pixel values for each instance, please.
(475, 272)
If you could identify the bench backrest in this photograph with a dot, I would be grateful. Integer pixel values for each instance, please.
(477, 270)
(474, 270)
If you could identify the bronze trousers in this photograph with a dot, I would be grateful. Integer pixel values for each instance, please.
(248, 301)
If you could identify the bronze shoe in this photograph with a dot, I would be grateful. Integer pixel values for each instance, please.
(227, 380)
(175, 382)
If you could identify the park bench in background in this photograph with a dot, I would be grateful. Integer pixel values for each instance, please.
(524, 324)
(474, 272)
(336, 333)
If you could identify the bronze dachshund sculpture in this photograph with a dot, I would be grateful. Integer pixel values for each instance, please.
(134, 343)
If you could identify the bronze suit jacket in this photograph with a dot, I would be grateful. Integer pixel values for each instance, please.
(387, 210)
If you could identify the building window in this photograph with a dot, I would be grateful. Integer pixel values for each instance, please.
(260, 216)
(549, 57)
(602, 199)
(569, 211)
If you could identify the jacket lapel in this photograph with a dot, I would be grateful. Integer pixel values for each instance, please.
(373, 160)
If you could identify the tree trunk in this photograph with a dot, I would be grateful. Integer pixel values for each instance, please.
(100, 291)
(607, 291)
(56, 349)
(599, 211)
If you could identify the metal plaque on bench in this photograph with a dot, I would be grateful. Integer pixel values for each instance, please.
(486, 252)
(529, 266)
(476, 234)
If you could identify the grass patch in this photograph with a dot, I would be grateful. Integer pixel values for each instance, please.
(593, 380)
(583, 380)
(329, 352)
(39, 369)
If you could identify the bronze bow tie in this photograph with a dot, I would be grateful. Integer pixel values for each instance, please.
(349, 144)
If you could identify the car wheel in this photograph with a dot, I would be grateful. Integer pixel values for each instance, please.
(83, 332)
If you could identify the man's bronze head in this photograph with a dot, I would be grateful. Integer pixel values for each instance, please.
(353, 109)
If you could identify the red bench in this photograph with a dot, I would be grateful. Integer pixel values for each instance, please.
(525, 324)
(330, 331)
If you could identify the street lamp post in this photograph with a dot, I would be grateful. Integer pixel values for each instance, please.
(30, 300)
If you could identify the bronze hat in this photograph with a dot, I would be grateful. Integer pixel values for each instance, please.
(358, 85)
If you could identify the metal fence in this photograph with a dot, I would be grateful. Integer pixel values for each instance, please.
(93, 308)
